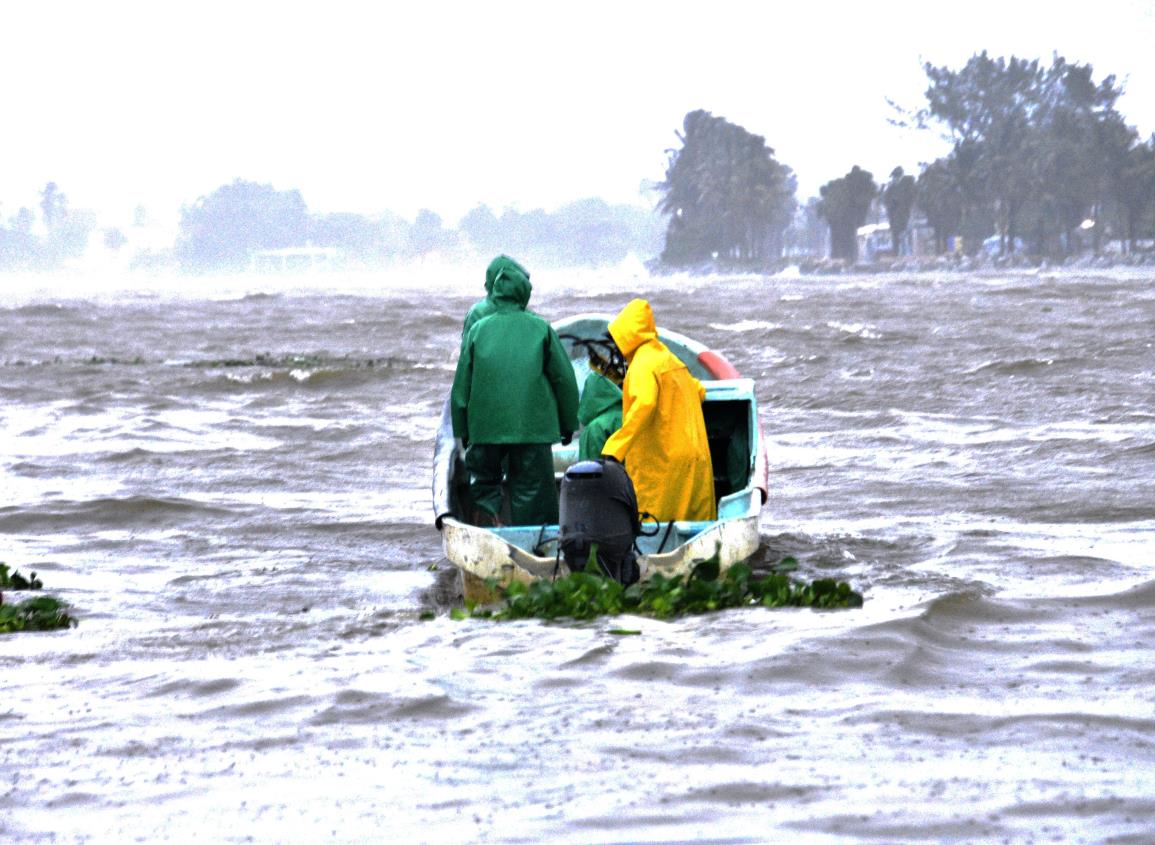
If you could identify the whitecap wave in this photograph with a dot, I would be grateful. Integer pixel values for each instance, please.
(746, 326)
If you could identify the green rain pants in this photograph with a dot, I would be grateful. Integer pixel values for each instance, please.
(532, 492)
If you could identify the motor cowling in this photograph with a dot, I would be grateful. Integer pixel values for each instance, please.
(598, 506)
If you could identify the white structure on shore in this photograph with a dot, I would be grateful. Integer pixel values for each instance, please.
(294, 259)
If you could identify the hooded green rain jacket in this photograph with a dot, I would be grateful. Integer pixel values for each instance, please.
(481, 310)
(600, 413)
(514, 380)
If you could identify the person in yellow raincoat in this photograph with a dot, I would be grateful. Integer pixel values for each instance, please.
(662, 441)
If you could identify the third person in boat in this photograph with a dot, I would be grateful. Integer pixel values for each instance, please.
(600, 408)
(662, 440)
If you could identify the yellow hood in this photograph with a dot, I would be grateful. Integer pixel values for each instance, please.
(662, 439)
(633, 326)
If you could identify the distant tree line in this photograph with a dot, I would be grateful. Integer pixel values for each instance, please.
(1037, 151)
(1041, 159)
(64, 235)
(222, 230)
(585, 232)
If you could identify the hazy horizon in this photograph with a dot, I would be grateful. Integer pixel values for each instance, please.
(451, 106)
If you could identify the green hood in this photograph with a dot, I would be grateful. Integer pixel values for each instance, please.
(598, 396)
(511, 287)
(500, 265)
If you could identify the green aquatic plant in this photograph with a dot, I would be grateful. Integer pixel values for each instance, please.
(100, 360)
(587, 595)
(16, 581)
(42, 613)
(309, 362)
(263, 359)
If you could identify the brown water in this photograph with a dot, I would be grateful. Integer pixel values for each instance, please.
(230, 483)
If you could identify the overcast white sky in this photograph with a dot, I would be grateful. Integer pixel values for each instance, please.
(372, 106)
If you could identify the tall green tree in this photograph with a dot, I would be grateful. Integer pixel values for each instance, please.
(1031, 141)
(222, 230)
(845, 204)
(898, 199)
(18, 245)
(1135, 189)
(53, 207)
(726, 195)
(428, 233)
(989, 106)
(940, 198)
(68, 231)
(1081, 141)
(481, 228)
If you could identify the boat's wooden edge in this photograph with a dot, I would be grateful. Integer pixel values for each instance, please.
(482, 555)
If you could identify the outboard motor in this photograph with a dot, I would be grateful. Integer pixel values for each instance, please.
(598, 506)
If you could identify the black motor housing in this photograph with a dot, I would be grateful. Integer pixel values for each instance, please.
(598, 506)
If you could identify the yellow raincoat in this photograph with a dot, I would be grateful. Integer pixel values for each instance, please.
(662, 441)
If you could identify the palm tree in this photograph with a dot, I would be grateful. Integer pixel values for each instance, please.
(845, 203)
(898, 198)
(726, 195)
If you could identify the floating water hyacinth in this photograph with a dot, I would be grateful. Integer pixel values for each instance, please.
(42, 613)
(16, 581)
(587, 595)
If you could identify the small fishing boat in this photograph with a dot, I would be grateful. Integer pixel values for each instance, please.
(528, 552)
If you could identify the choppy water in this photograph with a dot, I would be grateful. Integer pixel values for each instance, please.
(231, 486)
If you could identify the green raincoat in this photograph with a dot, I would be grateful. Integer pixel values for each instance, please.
(514, 380)
(600, 413)
(514, 395)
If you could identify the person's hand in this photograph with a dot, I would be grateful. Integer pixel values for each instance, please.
(566, 438)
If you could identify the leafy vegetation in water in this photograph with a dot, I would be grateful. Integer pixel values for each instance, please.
(311, 362)
(100, 360)
(16, 581)
(586, 595)
(42, 613)
(263, 359)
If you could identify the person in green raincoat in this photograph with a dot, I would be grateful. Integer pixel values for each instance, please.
(514, 395)
(484, 307)
(599, 411)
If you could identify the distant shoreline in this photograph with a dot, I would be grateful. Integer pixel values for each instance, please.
(914, 266)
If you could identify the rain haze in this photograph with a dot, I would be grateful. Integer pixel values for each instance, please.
(232, 341)
(367, 107)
